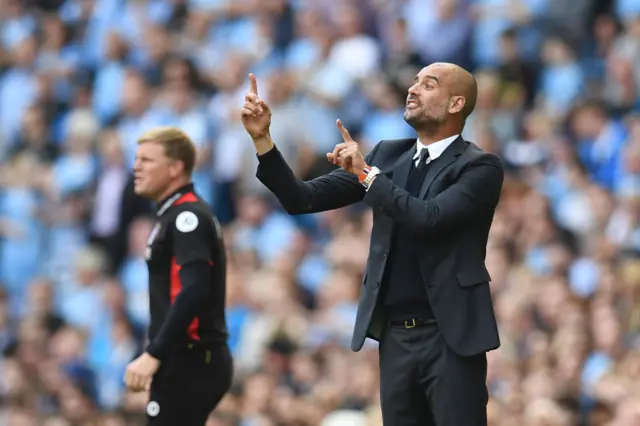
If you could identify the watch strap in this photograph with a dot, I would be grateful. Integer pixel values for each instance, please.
(370, 175)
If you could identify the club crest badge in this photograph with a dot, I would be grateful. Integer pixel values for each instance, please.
(186, 222)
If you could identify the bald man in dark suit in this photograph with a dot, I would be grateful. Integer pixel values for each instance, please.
(425, 296)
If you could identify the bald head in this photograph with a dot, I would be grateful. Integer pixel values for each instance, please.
(443, 96)
(467, 87)
(458, 82)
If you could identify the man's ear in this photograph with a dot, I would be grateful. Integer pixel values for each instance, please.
(457, 104)
(176, 168)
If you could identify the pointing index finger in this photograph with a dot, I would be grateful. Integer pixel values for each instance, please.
(346, 136)
(253, 84)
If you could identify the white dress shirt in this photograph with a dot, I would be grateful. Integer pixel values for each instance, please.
(435, 149)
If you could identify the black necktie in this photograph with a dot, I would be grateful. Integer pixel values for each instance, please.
(422, 159)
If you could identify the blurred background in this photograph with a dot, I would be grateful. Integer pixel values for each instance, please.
(80, 80)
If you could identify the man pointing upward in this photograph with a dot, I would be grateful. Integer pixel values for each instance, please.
(425, 296)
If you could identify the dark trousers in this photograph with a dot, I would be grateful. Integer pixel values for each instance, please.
(424, 383)
(188, 386)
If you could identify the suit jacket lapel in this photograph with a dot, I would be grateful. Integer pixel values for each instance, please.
(449, 155)
(403, 166)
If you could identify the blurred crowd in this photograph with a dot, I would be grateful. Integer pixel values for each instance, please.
(80, 80)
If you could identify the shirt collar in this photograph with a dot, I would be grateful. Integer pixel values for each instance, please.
(435, 149)
(168, 201)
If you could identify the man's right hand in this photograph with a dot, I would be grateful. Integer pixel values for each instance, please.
(256, 117)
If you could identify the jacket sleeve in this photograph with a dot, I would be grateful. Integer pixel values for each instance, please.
(332, 191)
(192, 236)
(474, 196)
(196, 286)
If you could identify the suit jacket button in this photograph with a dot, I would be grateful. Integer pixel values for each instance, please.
(386, 253)
(377, 283)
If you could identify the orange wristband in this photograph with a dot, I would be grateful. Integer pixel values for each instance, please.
(364, 173)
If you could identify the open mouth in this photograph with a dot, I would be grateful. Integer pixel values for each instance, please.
(412, 104)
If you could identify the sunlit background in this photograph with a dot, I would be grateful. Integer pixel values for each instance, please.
(559, 98)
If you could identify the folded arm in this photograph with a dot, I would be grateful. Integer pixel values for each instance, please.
(332, 191)
(474, 195)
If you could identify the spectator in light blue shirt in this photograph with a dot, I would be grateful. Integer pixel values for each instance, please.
(18, 89)
(386, 120)
(58, 57)
(76, 168)
(601, 142)
(22, 231)
(562, 79)
(133, 272)
(81, 299)
(493, 17)
(626, 8)
(136, 20)
(107, 93)
(95, 19)
(448, 22)
(16, 25)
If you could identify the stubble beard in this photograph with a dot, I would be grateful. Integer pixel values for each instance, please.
(424, 123)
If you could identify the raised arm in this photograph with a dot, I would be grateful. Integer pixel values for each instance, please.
(334, 190)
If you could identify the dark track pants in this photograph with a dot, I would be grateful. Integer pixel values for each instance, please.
(188, 386)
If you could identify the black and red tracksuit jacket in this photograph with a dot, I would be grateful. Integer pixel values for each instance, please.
(186, 261)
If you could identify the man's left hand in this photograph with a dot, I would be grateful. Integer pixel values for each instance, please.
(140, 372)
(347, 154)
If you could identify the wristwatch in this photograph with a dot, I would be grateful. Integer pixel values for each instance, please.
(367, 175)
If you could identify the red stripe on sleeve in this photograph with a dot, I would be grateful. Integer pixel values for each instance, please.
(175, 287)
